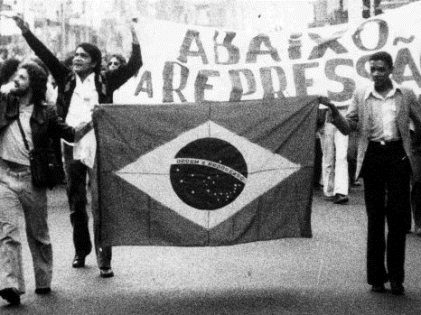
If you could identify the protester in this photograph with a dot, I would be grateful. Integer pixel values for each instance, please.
(25, 115)
(381, 112)
(116, 61)
(51, 94)
(79, 90)
(334, 163)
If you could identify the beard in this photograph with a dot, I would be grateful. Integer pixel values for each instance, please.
(16, 91)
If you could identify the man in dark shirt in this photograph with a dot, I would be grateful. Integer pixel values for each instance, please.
(79, 90)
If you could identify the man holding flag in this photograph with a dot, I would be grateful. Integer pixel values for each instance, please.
(79, 90)
(381, 113)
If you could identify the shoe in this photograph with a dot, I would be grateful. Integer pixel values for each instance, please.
(378, 288)
(329, 198)
(106, 273)
(43, 291)
(78, 261)
(340, 199)
(11, 295)
(397, 288)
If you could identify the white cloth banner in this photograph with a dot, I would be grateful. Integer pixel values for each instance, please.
(188, 63)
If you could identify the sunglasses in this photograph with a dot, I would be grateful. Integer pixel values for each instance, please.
(113, 63)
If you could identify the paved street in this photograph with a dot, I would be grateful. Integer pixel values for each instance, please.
(322, 275)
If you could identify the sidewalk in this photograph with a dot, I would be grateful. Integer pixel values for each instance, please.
(321, 275)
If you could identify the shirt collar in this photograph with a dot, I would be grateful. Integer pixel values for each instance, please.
(89, 79)
(26, 109)
(372, 92)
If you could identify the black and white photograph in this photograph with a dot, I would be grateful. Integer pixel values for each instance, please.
(210, 157)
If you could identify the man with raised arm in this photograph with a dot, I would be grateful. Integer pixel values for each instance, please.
(80, 88)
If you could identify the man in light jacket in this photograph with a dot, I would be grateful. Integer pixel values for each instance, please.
(381, 114)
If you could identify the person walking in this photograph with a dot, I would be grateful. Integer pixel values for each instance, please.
(334, 164)
(26, 123)
(381, 113)
(79, 90)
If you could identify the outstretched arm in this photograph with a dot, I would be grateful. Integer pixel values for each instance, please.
(135, 40)
(21, 23)
(117, 78)
(338, 120)
(57, 127)
(135, 61)
(56, 68)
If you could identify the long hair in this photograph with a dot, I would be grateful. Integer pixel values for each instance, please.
(8, 69)
(119, 57)
(39, 62)
(37, 80)
(95, 54)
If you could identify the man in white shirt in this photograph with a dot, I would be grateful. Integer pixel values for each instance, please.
(79, 90)
(381, 114)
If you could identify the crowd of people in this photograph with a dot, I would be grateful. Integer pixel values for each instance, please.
(45, 103)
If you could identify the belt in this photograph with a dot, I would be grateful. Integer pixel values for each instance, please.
(386, 144)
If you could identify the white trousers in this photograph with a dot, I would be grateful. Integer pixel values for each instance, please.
(334, 161)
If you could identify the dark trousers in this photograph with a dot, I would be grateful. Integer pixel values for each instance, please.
(416, 203)
(318, 163)
(76, 176)
(416, 189)
(386, 174)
